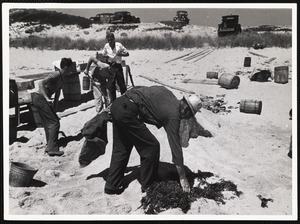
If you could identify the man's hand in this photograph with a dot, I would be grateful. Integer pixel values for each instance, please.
(185, 185)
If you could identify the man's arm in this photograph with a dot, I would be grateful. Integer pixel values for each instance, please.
(43, 88)
(123, 54)
(176, 149)
(123, 51)
(183, 180)
(97, 62)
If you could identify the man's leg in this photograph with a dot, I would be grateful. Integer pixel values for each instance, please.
(97, 96)
(130, 130)
(120, 79)
(50, 122)
(106, 78)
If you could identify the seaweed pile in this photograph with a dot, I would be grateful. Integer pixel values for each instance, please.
(216, 105)
(161, 196)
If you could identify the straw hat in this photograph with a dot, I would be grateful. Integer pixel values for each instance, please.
(194, 103)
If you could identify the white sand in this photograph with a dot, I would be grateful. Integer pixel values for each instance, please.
(247, 149)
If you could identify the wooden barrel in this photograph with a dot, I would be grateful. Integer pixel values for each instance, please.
(229, 81)
(281, 74)
(12, 128)
(251, 106)
(71, 88)
(36, 117)
(247, 62)
(212, 75)
(86, 83)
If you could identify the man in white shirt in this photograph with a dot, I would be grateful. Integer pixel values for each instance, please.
(115, 51)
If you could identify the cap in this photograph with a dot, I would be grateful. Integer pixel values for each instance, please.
(194, 103)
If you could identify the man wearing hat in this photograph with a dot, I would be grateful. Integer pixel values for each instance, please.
(46, 106)
(154, 105)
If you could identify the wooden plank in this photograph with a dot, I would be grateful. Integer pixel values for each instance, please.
(201, 81)
(179, 57)
(166, 84)
(271, 59)
(35, 76)
(204, 55)
(250, 52)
(196, 55)
(75, 110)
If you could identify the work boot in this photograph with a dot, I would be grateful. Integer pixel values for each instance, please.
(111, 192)
(55, 153)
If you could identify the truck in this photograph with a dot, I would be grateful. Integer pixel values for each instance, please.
(124, 17)
(182, 16)
(102, 18)
(229, 26)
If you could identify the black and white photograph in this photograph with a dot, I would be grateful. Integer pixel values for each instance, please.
(149, 111)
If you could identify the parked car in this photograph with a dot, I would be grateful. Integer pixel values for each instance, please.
(182, 16)
(229, 26)
(102, 18)
(124, 17)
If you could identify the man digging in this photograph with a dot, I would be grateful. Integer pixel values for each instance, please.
(154, 105)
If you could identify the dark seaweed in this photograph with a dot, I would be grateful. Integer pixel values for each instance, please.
(164, 195)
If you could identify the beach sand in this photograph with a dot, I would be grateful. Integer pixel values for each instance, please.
(248, 149)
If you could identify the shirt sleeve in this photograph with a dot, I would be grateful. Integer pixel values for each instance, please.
(122, 48)
(172, 130)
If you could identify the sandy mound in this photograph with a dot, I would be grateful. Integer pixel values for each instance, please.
(20, 29)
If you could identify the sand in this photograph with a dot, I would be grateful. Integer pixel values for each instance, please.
(248, 149)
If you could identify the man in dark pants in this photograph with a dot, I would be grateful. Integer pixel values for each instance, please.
(115, 51)
(154, 105)
(52, 84)
(102, 80)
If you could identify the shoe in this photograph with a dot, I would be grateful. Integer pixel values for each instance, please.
(111, 192)
(55, 153)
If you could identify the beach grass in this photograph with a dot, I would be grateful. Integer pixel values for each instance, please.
(165, 42)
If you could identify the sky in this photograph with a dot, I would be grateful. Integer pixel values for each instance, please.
(208, 16)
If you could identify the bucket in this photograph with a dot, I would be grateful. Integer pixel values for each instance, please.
(229, 81)
(12, 128)
(212, 75)
(251, 106)
(36, 116)
(82, 66)
(281, 74)
(21, 174)
(86, 83)
(247, 62)
(71, 88)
